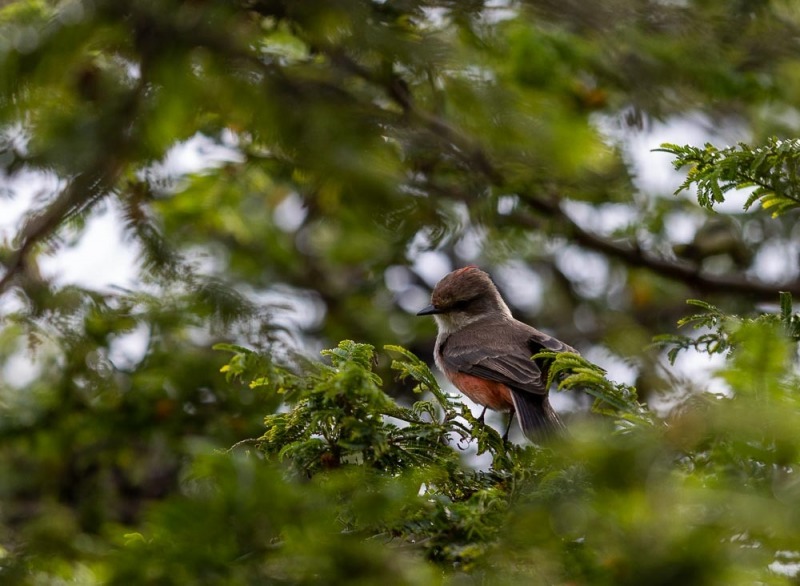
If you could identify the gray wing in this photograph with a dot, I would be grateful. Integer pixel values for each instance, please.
(502, 353)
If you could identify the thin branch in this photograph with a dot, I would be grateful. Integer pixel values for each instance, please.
(634, 256)
(631, 255)
(81, 193)
(397, 89)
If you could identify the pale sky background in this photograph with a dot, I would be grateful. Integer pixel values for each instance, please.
(102, 258)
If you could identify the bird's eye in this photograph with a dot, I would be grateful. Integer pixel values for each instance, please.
(461, 305)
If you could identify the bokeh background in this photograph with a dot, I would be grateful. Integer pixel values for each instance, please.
(285, 175)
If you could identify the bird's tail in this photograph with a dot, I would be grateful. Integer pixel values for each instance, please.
(537, 418)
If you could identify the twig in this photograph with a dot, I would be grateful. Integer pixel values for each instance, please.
(632, 255)
(677, 270)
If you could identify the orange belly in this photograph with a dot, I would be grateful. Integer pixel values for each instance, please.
(491, 394)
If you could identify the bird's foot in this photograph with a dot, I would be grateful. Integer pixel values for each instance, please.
(481, 416)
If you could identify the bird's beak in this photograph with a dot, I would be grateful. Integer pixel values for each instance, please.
(430, 310)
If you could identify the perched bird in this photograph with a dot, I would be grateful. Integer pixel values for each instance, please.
(486, 353)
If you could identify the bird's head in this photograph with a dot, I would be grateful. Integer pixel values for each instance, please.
(463, 296)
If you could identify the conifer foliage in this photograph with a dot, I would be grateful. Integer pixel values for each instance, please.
(282, 175)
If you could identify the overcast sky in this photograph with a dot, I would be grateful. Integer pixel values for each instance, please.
(101, 257)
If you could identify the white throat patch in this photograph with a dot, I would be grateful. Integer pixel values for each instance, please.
(453, 322)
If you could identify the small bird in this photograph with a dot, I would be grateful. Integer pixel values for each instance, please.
(486, 353)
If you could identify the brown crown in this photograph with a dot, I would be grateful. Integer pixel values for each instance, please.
(462, 284)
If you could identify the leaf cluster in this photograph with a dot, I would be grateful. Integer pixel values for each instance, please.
(692, 498)
(347, 484)
(770, 170)
(570, 371)
(339, 425)
(721, 332)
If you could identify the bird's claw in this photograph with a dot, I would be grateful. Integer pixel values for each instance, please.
(508, 427)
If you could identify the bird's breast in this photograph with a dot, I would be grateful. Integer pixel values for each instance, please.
(492, 394)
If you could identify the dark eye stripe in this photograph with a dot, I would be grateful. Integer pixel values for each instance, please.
(461, 305)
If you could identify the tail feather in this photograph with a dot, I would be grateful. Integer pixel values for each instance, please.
(537, 418)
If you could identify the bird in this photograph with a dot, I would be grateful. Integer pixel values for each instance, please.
(487, 354)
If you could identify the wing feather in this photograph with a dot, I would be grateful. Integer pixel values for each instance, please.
(501, 353)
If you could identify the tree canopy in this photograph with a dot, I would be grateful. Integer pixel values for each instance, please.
(182, 427)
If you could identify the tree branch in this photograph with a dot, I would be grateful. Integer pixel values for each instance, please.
(397, 89)
(41, 226)
(634, 256)
(631, 255)
(81, 193)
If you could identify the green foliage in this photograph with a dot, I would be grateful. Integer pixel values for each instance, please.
(344, 417)
(347, 484)
(573, 372)
(706, 497)
(724, 332)
(710, 342)
(344, 145)
(770, 169)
